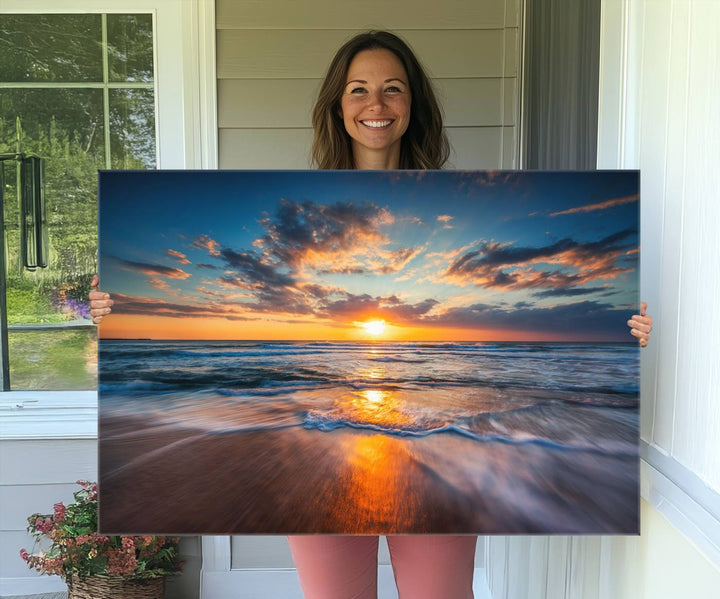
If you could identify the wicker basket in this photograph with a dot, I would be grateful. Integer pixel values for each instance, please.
(116, 587)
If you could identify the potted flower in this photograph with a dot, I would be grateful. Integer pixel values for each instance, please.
(95, 566)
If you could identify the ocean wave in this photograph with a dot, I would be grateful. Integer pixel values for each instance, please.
(328, 423)
(135, 387)
(390, 359)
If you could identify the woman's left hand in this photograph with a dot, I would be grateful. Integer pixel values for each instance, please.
(641, 325)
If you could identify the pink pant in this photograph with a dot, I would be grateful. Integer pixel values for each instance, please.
(345, 567)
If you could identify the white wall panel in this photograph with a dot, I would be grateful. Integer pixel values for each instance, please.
(19, 501)
(697, 420)
(668, 125)
(46, 462)
(260, 551)
(653, 150)
(672, 232)
(11, 564)
(669, 129)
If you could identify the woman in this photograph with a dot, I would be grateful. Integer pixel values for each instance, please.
(377, 110)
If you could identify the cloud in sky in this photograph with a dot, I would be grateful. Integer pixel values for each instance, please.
(598, 206)
(253, 271)
(574, 291)
(144, 306)
(359, 246)
(270, 277)
(160, 284)
(153, 270)
(334, 238)
(590, 317)
(445, 219)
(179, 256)
(204, 242)
(354, 307)
(508, 266)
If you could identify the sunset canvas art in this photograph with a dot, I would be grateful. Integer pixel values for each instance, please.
(385, 352)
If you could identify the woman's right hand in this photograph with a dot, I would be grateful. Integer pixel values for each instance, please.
(99, 302)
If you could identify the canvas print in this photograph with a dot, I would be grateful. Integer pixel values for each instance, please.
(386, 352)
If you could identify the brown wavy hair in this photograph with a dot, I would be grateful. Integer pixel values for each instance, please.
(423, 146)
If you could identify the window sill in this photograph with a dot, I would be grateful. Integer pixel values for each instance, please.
(48, 415)
(689, 504)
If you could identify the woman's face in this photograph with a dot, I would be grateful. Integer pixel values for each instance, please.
(375, 103)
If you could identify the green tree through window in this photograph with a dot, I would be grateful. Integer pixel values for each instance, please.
(77, 90)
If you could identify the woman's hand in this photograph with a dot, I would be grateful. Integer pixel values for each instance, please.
(99, 302)
(641, 325)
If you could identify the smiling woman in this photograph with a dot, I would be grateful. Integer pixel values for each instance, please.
(364, 103)
(376, 108)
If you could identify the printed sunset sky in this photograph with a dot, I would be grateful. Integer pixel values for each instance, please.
(370, 255)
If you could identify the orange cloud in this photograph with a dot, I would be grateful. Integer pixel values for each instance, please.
(153, 270)
(203, 242)
(181, 258)
(505, 266)
(599, 205)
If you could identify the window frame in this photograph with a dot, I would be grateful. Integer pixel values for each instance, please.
(184, 33)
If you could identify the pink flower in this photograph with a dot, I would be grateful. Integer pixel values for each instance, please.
(24, 554)
(44, 526)
(59, 512)
(121, 562)
(128, 543)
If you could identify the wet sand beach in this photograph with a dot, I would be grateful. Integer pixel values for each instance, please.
(164, 478)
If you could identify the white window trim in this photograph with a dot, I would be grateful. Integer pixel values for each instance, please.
(186, 126)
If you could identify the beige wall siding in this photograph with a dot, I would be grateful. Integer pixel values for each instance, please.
(331, 14)
(271, 58)
(287, 103)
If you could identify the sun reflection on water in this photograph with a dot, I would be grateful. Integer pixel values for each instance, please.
(380, 494)
(379, 407)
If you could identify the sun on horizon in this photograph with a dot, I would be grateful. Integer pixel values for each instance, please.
(374, 327)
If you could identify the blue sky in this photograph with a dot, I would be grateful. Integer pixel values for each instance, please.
(459, 254)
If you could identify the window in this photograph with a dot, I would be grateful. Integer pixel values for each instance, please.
(186, 126)
(77, 90)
